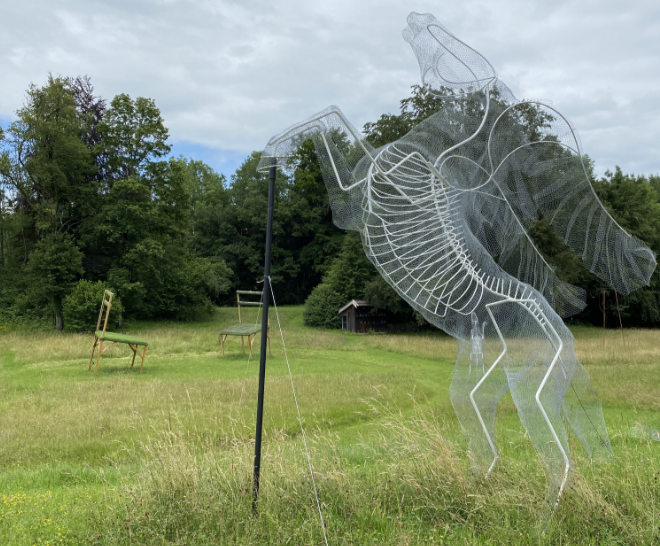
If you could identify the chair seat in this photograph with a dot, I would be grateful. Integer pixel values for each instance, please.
(241, 330)
(120, 338)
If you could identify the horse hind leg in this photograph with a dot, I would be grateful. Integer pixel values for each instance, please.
(489, 388)
(538, 392)
(478, 433)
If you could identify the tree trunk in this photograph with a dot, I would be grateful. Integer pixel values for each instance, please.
(58, 321)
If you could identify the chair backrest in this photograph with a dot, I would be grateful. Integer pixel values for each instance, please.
(106, 303)
(247, 302)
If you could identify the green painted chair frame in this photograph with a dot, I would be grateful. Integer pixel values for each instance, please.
(242, 329)
(102, 335)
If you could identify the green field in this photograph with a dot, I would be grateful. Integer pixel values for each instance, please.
(166, 456)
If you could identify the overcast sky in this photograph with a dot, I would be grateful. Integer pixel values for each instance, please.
(227, 74)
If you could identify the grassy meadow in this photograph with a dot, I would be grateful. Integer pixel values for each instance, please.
(165, 456)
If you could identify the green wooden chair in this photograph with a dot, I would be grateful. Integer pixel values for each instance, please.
(102, 335)
(245, 330)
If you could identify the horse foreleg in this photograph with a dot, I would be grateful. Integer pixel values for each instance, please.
(489, 431)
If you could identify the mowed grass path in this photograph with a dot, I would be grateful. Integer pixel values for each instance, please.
(166, 455)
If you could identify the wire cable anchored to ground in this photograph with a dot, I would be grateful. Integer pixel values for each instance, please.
(300, 421)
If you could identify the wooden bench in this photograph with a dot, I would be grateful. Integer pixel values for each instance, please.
(101, 336)
(243, 329)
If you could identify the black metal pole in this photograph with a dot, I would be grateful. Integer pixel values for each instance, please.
(264, 335)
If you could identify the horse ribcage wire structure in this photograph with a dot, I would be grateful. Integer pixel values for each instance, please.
(413, 236)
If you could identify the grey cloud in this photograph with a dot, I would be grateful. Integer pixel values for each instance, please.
(229, 74)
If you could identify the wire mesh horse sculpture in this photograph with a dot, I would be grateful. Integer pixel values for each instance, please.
(444, 214)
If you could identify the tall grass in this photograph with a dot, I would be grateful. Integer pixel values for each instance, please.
(166, 456)
(406, 484)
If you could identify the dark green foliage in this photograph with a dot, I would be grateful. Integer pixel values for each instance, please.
(132, 136)
(310, 240)
(321, 307)
(390, 127)
(209, 208)
(304, 238)
(52, 268)
(632, 201)
(242, 243)
(47, 167)
(86, 191)
(159, 281)
(383, 297)
(346, 280)
(81, 307)
(567, 264)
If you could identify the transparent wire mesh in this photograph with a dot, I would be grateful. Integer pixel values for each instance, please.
(444, 214)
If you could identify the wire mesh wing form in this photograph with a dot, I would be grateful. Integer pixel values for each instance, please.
(540, 173)
(522, 161)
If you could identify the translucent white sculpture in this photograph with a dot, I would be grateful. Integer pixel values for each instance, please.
(444, 215)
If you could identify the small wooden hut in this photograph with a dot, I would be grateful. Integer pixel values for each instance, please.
(358, 317)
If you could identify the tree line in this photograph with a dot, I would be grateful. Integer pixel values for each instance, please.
(90, 197)
(633, 201)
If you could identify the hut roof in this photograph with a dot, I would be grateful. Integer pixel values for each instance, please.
(354, 303)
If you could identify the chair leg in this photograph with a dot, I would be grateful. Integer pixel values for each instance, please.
(222, 344)
(243, 343)
(144, 353)
(98, 356)
(91, 358)
(134, 348)
(250, 344)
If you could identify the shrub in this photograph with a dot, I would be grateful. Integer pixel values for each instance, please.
(321, 307)
(345, 280)
(81, 306)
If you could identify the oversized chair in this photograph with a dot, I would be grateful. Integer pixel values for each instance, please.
(101, 336)
(245, 330)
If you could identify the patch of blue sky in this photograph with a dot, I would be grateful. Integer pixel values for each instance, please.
(221, 161)
(4, 125)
